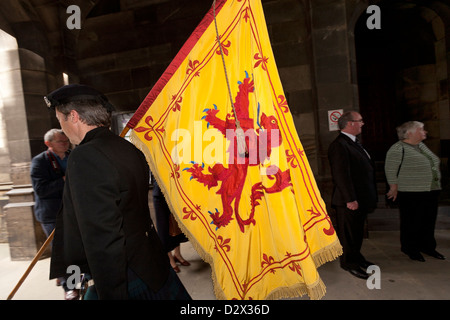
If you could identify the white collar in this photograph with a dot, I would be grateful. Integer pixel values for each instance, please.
(350, 136)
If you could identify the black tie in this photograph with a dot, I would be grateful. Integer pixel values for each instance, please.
(361, 146)
(359, 143)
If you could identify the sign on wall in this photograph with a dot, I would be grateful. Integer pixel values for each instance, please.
(333, 116)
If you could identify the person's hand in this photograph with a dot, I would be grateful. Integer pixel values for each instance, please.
(353, 205)
(393, 191)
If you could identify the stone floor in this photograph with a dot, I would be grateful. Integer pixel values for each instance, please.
(401, 278)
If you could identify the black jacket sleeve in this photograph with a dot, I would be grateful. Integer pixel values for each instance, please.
(95, 194)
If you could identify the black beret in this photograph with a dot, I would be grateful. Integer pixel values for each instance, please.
(76, 92)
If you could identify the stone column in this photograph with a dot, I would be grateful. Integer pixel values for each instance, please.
(25, 234)
(4, 188)
(333, 75)
(22, 78)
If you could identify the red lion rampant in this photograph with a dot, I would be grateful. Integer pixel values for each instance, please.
(259, 144)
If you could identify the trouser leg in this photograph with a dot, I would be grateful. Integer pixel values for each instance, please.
(350, 231)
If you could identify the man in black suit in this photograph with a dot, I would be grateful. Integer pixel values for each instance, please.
(104, 226)
(354, 193)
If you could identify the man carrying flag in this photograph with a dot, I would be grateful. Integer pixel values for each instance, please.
(104, 227)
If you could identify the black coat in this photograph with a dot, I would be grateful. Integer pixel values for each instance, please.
(353, 174)
(48, 184)
(105, 226)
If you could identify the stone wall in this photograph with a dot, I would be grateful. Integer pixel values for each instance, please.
(124, 46)
(124, 53)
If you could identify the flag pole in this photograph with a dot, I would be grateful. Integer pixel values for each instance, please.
(242, 146)
(124, 132)
(30, 267)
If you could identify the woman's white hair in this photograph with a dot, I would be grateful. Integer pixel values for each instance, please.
(410, 126)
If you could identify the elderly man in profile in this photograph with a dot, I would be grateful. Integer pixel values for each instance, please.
(47, 178)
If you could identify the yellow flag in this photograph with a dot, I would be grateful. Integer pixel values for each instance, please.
(221, 142)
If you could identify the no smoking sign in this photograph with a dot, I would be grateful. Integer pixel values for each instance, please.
(333, 117)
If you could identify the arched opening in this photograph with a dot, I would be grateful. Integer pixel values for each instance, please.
(402, 75)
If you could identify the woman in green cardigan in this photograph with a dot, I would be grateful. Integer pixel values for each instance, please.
(412, 171)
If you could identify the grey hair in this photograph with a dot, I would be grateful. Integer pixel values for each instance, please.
(50, 134)
(345, 118)
(92, 112)
(404, 129)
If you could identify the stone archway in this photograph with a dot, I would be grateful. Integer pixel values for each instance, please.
(402, 75)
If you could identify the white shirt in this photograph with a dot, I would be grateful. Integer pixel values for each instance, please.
(349, 135)
(354, 140)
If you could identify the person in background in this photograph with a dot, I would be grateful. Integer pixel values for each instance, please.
(104, 227)
(413, 174)
(165, 223)
(47, 178)
(354, 192)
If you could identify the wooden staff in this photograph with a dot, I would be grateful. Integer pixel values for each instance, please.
(30, 267)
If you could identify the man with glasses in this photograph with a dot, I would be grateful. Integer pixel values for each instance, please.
(354, 193)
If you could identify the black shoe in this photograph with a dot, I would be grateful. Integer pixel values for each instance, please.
(435, 254)
(357, 272)
(416, 256)
(72, 295)
(366, 264)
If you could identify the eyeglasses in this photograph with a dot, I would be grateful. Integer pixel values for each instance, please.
(361, 120)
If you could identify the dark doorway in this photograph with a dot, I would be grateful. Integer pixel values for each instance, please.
(386, 62)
